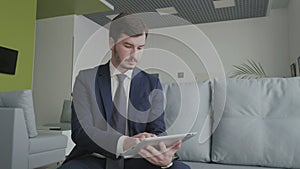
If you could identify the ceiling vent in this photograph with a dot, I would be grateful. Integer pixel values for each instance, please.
(167, 11)
(111, 17)
(223, 3)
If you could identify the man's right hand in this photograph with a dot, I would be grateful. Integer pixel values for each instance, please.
(129, 142)
(144, 135)
(132, 141)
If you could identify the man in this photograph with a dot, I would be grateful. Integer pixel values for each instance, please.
(117, 105)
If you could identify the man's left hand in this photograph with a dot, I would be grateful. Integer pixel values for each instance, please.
(163, 156)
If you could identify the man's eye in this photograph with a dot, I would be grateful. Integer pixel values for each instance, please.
(140, 48)
(127, 46)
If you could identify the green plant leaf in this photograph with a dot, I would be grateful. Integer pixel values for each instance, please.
(248, 70)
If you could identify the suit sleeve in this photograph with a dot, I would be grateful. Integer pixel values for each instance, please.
(84, 132)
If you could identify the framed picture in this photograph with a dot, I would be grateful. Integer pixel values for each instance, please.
(293, 70)
(298, 60)
(8, 60)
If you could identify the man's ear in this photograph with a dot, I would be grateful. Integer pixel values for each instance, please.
(111, 43)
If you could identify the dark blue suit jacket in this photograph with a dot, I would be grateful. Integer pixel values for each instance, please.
(92, 110)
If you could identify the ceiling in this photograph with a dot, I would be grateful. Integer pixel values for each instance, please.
(189, 11)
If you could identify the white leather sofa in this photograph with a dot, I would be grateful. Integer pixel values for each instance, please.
(241, 124)
(22, 146)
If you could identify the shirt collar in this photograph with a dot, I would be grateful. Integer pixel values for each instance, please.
(114, 71)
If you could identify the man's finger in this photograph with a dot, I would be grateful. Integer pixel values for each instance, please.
(174, 148)
(144, 135)
(154, 151)
(162, 147)
(147, 154)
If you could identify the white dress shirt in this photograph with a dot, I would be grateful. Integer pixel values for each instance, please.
(114, 85)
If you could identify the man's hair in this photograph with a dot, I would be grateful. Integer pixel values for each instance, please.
(128, 24)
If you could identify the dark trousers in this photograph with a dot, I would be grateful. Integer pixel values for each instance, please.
(91, 162)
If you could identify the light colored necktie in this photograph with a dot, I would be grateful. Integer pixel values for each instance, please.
(119, 111)
(118, 121)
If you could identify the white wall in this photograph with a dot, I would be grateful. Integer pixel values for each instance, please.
(91, 48)
(183, 49)
(294, 31)
(90, 41)
(52, 67)
(264, 40)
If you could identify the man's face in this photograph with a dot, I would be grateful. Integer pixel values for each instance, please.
(127, 52)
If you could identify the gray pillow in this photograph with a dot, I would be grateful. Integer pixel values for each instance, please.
(187, 108)
(260, 123)
(21, 99)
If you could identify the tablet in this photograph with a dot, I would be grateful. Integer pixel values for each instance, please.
(154, 141)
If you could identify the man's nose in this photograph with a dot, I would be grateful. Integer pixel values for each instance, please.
(133, 52)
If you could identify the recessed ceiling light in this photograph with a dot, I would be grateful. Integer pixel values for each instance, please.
(167, 11)
(111, 17)
(223, 3)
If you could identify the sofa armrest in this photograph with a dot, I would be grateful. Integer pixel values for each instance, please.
(14, 139)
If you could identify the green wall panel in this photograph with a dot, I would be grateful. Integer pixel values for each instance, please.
(54, 8)
(17, 32)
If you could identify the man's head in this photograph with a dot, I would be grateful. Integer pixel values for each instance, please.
(128, 24)
(127, 36)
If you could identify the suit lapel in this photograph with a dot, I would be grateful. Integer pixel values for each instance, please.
(104, 83)
(135, 82)
(135, 85)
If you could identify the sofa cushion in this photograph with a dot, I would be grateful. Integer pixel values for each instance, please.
(260, 123)
(186, 110)
(47, 141)
(21, 99)
(199, 165)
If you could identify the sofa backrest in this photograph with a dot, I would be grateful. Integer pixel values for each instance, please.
(258, 120)
(188, 109)
(260, 123)
(21, 99)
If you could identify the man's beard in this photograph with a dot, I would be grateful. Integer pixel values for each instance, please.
(123, 66)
